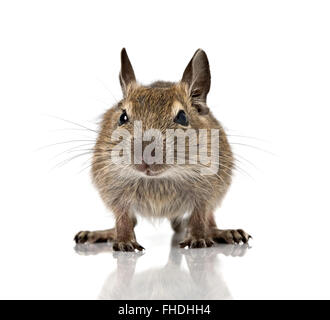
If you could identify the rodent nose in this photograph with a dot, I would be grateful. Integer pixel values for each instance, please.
(142, 167)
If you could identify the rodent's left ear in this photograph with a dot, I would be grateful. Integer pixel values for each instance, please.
(126, 75)
(198, 78)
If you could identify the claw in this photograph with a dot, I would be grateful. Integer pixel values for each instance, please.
(140, 248)
(129, 246)
(196, 243)
(231, 236)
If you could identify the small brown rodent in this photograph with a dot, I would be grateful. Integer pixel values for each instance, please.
(162, 189)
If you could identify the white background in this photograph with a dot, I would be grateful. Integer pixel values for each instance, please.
(270, 70)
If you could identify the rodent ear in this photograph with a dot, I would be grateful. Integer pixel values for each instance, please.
(198, 78)
(126, 75)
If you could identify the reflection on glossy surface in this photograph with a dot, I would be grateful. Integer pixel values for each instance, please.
(202, 280)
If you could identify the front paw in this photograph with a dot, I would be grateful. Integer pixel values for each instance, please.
(192, 242)
(127, 246)
(230, 236)
(88, 237)
(95, 236)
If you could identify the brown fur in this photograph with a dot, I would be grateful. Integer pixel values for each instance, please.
(180, 188)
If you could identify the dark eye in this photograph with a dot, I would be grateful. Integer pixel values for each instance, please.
(181, 118)
(123, 118)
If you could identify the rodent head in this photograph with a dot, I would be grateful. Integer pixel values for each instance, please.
(161, 106)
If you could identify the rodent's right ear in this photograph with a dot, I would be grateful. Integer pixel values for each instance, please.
(126, 75)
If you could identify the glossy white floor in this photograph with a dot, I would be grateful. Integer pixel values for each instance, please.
(288, 258)
(270, 71)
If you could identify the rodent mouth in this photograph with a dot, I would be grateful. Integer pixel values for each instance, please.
(152, 173)
(150, 170)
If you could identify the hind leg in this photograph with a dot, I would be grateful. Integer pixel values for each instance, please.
(202, 232)
(178, 224)
(123, 234)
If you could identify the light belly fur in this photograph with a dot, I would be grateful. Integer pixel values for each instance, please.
(161, 200)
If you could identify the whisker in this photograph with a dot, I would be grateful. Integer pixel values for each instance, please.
(68, 129)
(247, 137)
(66, 161)
(62, 142)
(72, 150)
(74, 123)
(253, 147)
(108, 89)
